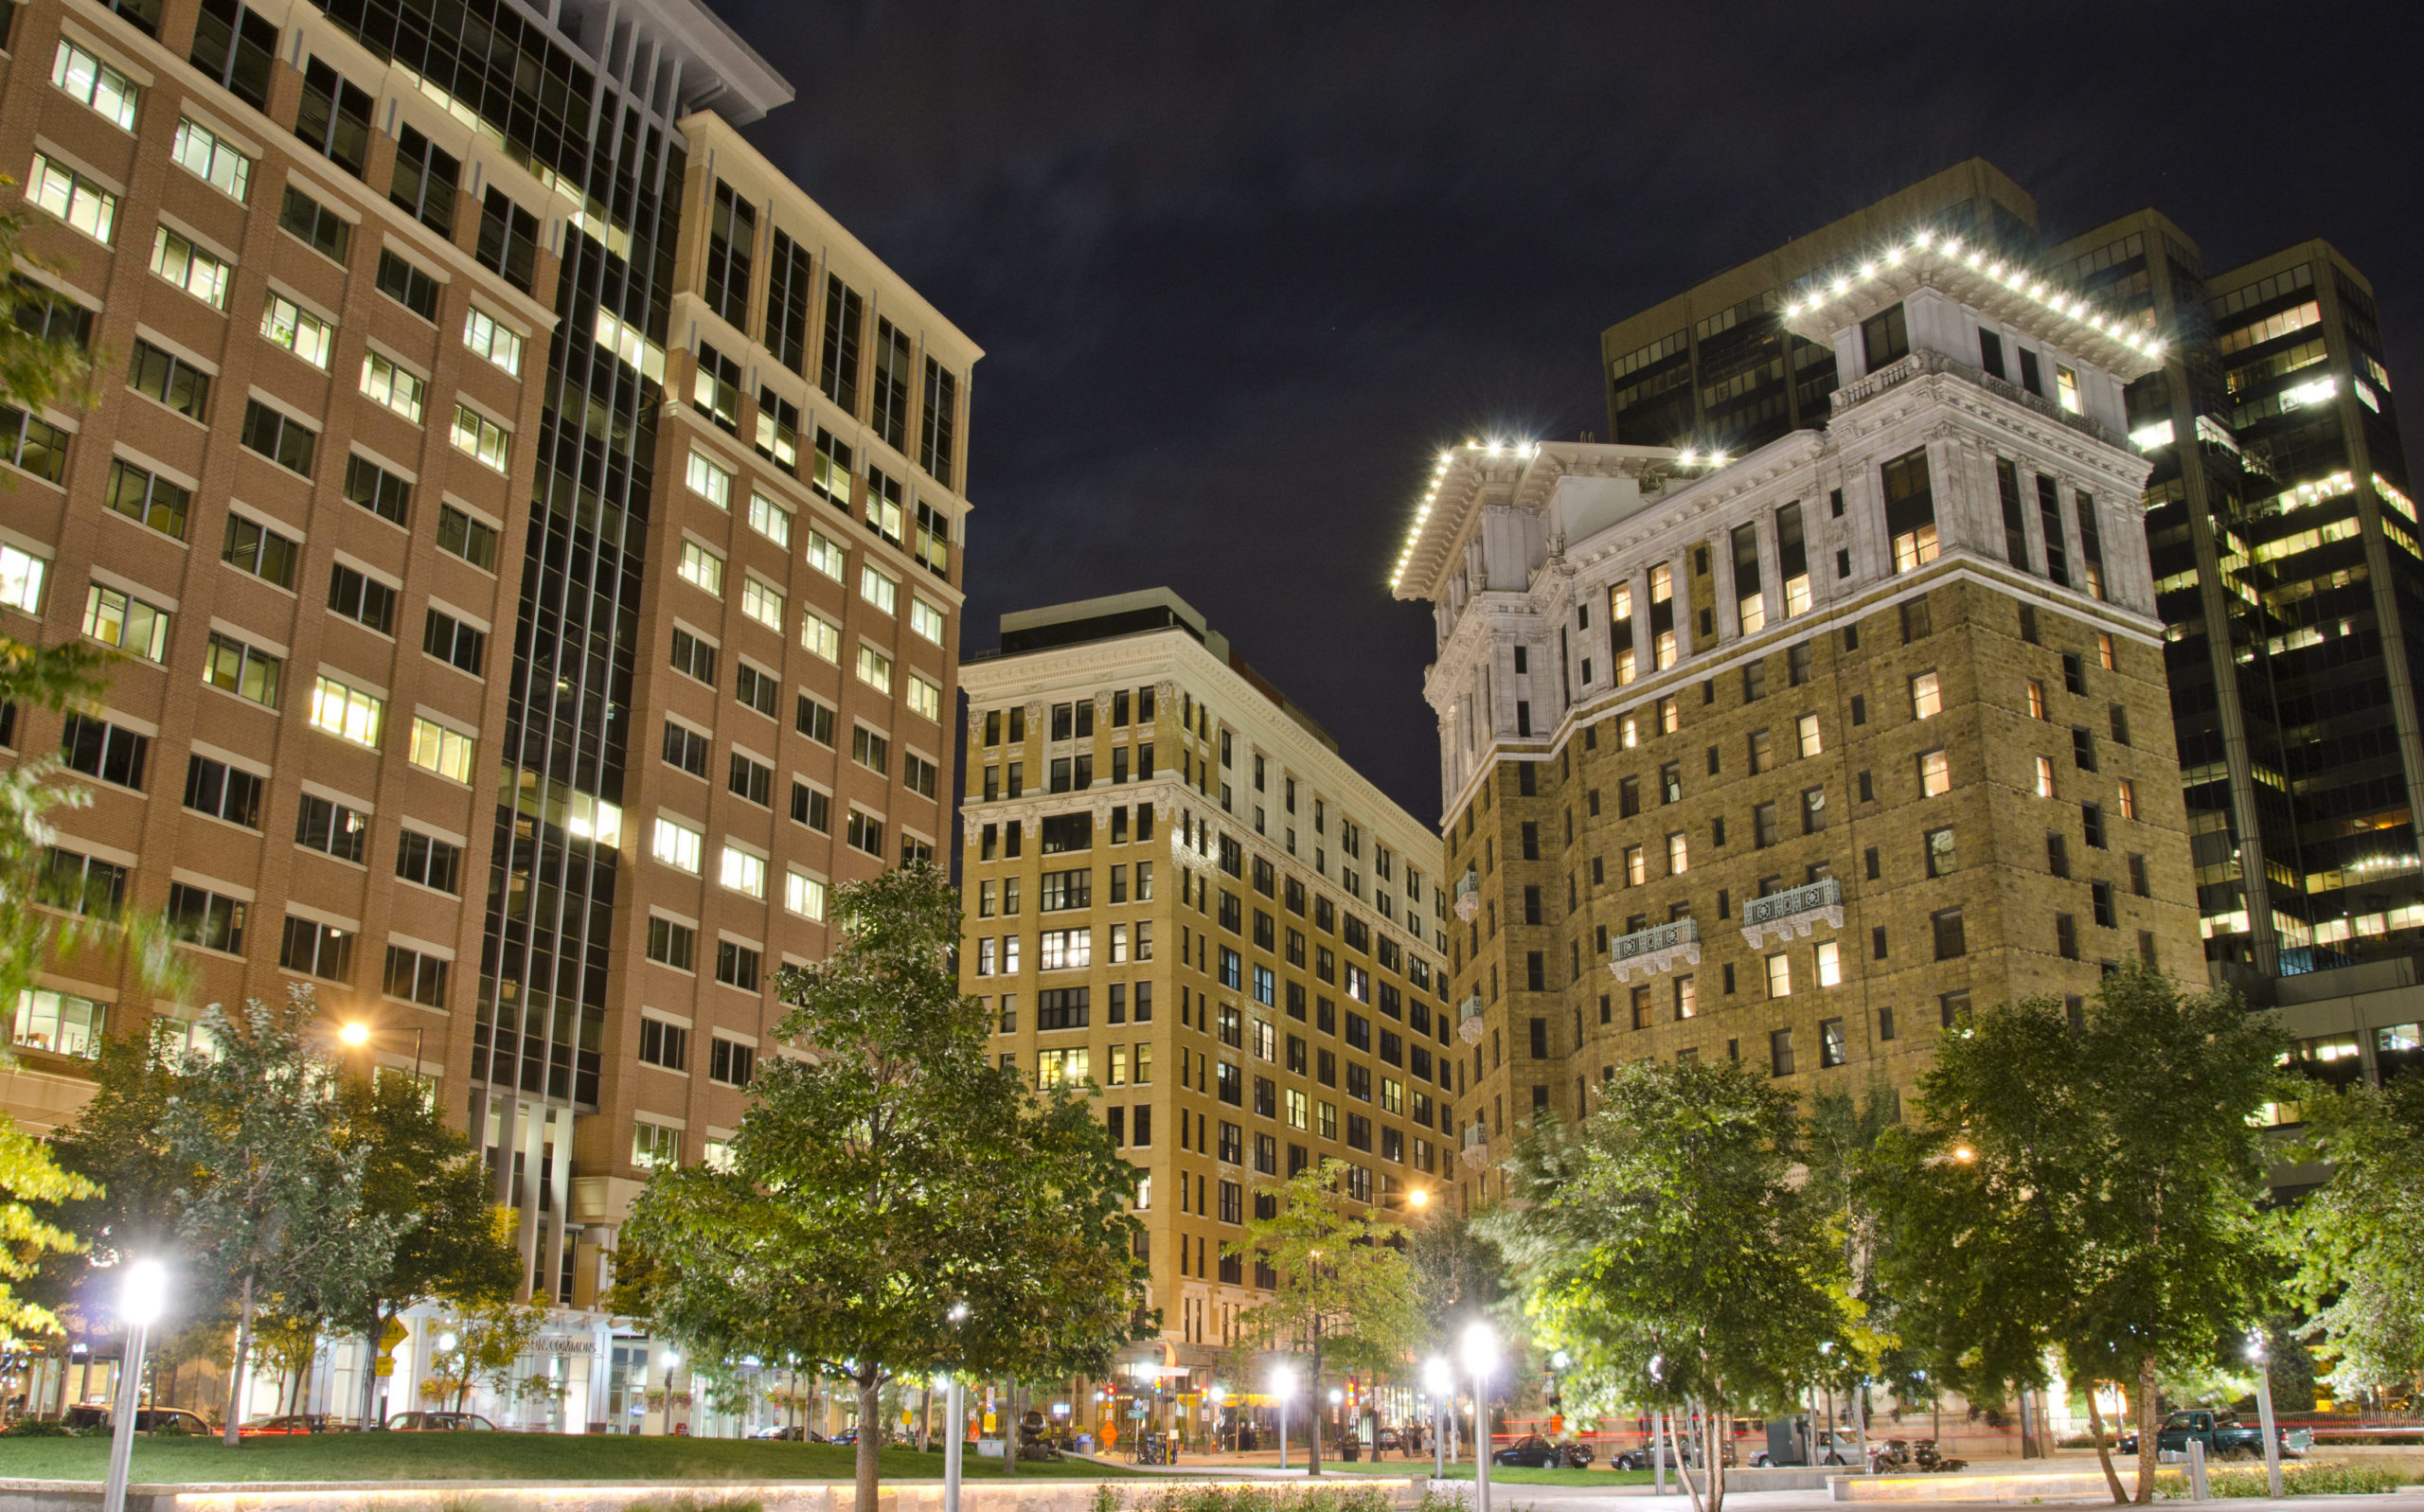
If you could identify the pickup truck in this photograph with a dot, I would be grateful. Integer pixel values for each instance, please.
(2224, 1436)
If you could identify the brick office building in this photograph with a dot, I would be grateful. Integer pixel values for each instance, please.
(533, 525)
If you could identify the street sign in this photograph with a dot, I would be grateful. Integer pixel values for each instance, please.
(383, 1366)
(393, 1335)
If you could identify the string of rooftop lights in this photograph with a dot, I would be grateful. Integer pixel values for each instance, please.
(2012, 275)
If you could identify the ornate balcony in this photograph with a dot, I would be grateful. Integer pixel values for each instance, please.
(1468, 895)
(1469, 1029)
(1476, 1151)
(1652, 950)
(1793, 913)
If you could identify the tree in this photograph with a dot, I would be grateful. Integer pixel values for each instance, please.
(425, 1180)
(490, 1337)
(2358, 1243)
(2091, 1189)
(890, 1176)
(1345, 1285)
(1664, 1244)
(1840, 1143)
(28, 1177)
(273, 1200)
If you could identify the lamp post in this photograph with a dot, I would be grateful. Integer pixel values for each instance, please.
(356, 1035)
(955, 1412)
(2264, 1411)
(1481, 1357)
(1440, 1383)
(1283, 1385)
(141, 1297)
(1218, 1395)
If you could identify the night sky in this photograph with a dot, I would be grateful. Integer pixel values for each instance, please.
(1240, 270)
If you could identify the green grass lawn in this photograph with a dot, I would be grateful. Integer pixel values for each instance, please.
(1499, 1474)
(488, 1457)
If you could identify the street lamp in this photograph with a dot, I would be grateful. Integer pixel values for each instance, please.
(1418, 1198)
(1217, 1396)
(356, 1034)
(1440, 1381)
(1481, 1357)
(955, 1411)
(142, 1296)
(2264, 1409)
(1283, 1385)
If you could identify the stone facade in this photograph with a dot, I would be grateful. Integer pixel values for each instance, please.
(1840, 703)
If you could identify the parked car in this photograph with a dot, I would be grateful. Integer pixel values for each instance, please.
(1390, 1438)
(439, 1423)
(1832, 1448)
(1536, 1453)
(793, 1434)
(292, 1423)
(147, 1419)
(1646, 1457)
(2224, 1434)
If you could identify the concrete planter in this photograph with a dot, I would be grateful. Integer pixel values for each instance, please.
(1038, 1495)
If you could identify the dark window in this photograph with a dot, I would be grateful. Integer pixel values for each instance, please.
(664, 1045)
(2049, 510)
(334, 117)
(814, 720)
(332, 827)
(363, 599)
(452, 642)
(1991, 352)
(388, 496)
(317, 950)
(38, 447)
(731, 1063)
(755, 688)
(169, 378)
(255, 548)
(937, 422)
(1884, 337)
(224, 792)
(788, 293)
(732, 241)
(429, 861)
(1950, 941)
(472, 539)
(204, 917)
(694, 657)
(235, 46)
(752, 781)
(2015, 518)
(146, 499)
(671, 944)
(407, 285)
(99, 749)
(417, 977)
(509, 245)
(814, 809)
(2066, 936)
(737, 965)
(424, 182)
(838, 368)
(283, 439)
(1780, 1052)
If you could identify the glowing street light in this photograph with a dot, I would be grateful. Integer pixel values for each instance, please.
(2264, 1409)
(1440, 1381)
(1283, 1385)
(142, 1296)
(356, 1035)
(955, 1412)
(1481, 1359)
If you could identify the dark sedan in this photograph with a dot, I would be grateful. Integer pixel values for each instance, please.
(1532, 1452)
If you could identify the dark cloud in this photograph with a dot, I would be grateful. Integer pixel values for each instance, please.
(1240, 268)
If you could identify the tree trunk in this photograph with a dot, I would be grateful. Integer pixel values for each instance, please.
(370, 1367)
(243, 1348)
(1313, 1415)
(1011, 1427)
(926, 1416)
(870, 1442)
(1671, 1450)
(2104, 1449)
(1720, 1433)
(2146, 1431)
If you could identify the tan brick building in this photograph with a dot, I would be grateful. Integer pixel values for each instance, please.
(1787, 757)
(1179, 894)
(534, 526)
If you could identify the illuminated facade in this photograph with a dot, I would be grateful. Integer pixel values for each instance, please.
(1179, 895)
(1791, 756)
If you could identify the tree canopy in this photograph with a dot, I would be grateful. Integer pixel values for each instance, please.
(1665, 1243)
(2358, 1243)
(2091, 1187)
(891, 1175)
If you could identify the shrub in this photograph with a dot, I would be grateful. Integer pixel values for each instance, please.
(2296, 1479)
(40, 1428)
(1267, 1499)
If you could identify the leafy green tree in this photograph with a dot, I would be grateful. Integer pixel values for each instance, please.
(29, 1177)
(423, 1178)
(2094, 1189)
(272, 1198)
(2358, 1243)
(1345, 1291)
(1840, 1141)
(490, 1337)
(1667, 1245)
(892, 1175)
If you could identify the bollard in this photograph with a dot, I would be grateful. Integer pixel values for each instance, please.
(2196, 1469)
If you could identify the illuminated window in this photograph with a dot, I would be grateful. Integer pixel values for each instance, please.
(437, 749)
(926, 698)
(499, 345)
(1830, 964)
(191, 269)
(121, 619)
(761, 602)
(1810, 743)
(2128, 798)
(1780, 975)
(21, 575)
(289, 325)
(875, 669)
(1927, 700)
(89, 81)
(742, 872)
(677, 845)
(1935, 774)
(2045, 777)
(879, 588)
(769, 519)
(76, 200)
(926, 620)
(393, 387)
(820, 635)
(346, 712)
(200, 150)
(709, 480)
(825, 556)
(701, 568)
(479, 438)
(1679, 854)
